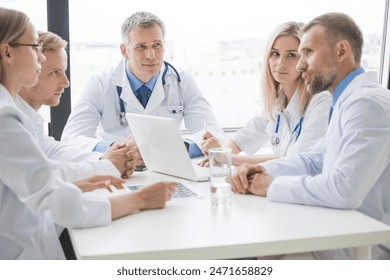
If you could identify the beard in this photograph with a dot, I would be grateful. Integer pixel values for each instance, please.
(321, 82)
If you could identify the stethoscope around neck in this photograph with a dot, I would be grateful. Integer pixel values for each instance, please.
(275, 140)
(122, 114)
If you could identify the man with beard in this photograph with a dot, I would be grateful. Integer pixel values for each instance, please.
(350, 167)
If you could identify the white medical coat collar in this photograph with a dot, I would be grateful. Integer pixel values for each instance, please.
(136, 83)
(344, 83)
(356, 83)
(29, 111)
(292, 106)
(127, 95)
(6, 97)
(7, 100)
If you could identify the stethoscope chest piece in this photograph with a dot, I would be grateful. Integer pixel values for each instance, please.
(122, 118)
(275, 140)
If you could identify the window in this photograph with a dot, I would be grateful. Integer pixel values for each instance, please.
(36, 10)
(385, 61)
(220, 42)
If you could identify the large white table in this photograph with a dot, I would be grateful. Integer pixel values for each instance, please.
(254, 226)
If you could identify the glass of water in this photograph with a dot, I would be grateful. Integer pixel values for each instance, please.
(220, 160)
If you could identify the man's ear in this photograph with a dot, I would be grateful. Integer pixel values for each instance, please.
(124, 51)
(343, 50)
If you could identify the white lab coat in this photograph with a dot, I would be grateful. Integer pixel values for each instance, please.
(29, 192)
(73, 163)
(350, 167)
(95, 117)
(259, 130)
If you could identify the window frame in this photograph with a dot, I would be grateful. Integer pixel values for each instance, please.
(58, 22)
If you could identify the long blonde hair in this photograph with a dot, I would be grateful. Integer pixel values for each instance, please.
(271, 89)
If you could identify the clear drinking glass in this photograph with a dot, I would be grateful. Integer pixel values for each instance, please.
(220, 160)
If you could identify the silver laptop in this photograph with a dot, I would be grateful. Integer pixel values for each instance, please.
(162, 148)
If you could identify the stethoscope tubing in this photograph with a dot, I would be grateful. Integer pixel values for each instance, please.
(298, 128)
(122, 114)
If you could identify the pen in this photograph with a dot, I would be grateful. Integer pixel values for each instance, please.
(205, 153)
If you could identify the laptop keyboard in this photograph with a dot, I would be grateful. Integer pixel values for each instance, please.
(182, 192)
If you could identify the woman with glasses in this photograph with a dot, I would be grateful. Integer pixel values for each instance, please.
(37, 47)
(32, 198)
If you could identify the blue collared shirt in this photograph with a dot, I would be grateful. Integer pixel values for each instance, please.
(102, 146)
(193, 149)
(341, 87)
(135, 83)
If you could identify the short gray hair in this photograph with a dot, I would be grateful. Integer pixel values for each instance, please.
(140, 19)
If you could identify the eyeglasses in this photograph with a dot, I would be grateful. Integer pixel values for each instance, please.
(37, 47)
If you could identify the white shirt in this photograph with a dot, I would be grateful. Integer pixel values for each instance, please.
(29, 192)
(350, 167)
(73, 163)
(95, 116)
(259, 130)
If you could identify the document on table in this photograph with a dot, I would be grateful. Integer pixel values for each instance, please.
(185, 191)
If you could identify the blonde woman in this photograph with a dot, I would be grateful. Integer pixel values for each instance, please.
(32, 197)
(292, 119)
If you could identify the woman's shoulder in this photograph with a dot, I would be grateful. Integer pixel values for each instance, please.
(9, 113)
